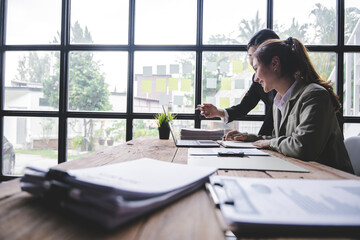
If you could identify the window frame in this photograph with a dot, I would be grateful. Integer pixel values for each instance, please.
(65, 47)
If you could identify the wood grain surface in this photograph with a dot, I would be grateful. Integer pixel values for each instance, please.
(193, 217)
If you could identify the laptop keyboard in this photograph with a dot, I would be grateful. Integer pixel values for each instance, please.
(187, 142)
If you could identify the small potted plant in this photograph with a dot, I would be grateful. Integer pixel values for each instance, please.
(163, 124)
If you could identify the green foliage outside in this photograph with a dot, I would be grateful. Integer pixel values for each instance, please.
(77, 142)
(139, 132)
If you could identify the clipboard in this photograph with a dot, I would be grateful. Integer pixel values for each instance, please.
(263, 207)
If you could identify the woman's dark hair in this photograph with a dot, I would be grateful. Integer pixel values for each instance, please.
(295, 62)
(261, 36)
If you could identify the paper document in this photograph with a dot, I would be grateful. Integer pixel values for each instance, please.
(236, 144)
(250, 204)
(143, 176)
(215, 151)
(262, 163)
(114, 194)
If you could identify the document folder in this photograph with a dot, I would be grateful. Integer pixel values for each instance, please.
(112, 195)
(262, 207)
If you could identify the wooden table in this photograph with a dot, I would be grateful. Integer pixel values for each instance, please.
(193, 217)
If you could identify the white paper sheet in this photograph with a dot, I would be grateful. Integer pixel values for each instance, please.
(263, 163)
(236, 144)
(291, 201)
(143, 176)
(214, 151)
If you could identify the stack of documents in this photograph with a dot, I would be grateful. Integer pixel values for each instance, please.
(200, 134)
(115, 194)
(263, 207)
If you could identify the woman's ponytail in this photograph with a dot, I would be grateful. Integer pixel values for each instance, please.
(308, 73)
(295, 62)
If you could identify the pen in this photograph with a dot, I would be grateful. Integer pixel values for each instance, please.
(198, 108)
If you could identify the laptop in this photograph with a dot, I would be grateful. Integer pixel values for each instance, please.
(189, 143)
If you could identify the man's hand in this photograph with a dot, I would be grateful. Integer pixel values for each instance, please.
(208, 110)
(235, 136)
(262, 143)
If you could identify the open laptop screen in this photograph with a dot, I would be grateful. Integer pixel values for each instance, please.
(170, 125)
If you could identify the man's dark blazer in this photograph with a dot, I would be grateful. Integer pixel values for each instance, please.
(250, 100)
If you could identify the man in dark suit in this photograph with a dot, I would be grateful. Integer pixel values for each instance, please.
(252, 97)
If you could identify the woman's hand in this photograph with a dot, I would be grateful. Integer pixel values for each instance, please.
(208, 110)
(235, 136)
(262, 143)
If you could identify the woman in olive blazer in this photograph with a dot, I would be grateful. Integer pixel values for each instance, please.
(309, 130)
(304, 111)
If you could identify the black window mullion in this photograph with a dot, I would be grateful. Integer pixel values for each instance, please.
(63, 86)
(3, 23)
(340, 54)
(130, 94)
(269, 25)
(130, 88)
(2, 78)
(270, 14)
(198, 63)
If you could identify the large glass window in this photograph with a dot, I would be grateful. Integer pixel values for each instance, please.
(165, 22)
(325, 65)
(164, 78)
(29, 141)
(32, 80)
(351, 130)
(88, 135)
(227, 76)
(232, 21)
(352, 84)
(104, 22)
(314, 22)
(97, 81)
(352, 22)
(33, 22)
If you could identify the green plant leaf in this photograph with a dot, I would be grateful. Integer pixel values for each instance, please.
(161, 118)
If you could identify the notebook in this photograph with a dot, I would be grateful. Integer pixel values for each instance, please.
(189, 143)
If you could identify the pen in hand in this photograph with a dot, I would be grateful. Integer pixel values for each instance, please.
(198, 108)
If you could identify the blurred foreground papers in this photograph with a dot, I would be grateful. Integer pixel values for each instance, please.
(263, 207)
(114, 194)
